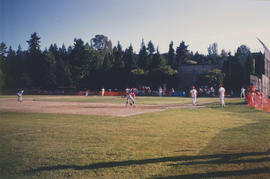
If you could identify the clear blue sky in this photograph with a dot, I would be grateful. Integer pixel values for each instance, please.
(199, 23)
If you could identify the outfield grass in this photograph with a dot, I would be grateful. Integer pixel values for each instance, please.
(180, 143)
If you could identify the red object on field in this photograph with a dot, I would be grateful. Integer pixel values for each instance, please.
(251, 89)
(79, 93)
(258, 101)
(133, 95)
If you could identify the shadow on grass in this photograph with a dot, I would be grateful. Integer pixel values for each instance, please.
(224, 161)
(230, 138)
(264, 170)
(222, 158)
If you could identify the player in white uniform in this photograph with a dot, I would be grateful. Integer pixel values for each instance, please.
(160, 91)
(102, 91)
(19, 94)
(221, 92)
(193, 93)
(130, 97)
(243, 92)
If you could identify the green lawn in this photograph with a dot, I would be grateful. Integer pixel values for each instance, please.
(179, 143)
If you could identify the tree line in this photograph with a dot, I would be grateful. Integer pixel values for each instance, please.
(100, 64)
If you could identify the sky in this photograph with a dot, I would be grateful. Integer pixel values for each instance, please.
(199, 23)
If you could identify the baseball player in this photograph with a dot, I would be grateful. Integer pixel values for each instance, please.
(221, 92)
(130, 97)
(251, 94)
(193, 93)
(19, 94)
(160, 91)
(102, 91)
(243, 92)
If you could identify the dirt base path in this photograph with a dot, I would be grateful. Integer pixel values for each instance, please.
(109, 109)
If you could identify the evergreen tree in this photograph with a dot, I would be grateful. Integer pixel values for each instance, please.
(80, 59)
(62, 51)
(150, 48)
(118, 71)
(181, 54)
(130, 61)
(143, 57)
(171, 56)
(107, 65)
(34, 44)
(3, 51)
(158, 60)
(11, 73)
(34, 56)
(160, 72)
(118, 57)
(106, 76)
(223, 53)
(2, 77)
(14, 70)
(19, 51)
(23, 79)
(48, 77)
(93, 77)
(54, 50)
(69, 50)
(96, 59)
(63, 73)
(88, 66)
(197, 58)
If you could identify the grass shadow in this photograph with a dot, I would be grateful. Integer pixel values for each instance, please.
(264, 170)
(222, 158)
(243, 138)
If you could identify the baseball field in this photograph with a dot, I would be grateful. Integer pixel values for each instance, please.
(162, 137)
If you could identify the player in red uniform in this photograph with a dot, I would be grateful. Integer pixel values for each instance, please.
(251, 95)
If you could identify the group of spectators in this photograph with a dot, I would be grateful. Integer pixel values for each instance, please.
(206, 91)
(203, 91)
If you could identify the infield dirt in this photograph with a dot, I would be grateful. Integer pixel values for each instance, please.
(85, 108)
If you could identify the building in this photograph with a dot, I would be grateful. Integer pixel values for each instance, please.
(262, 82)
